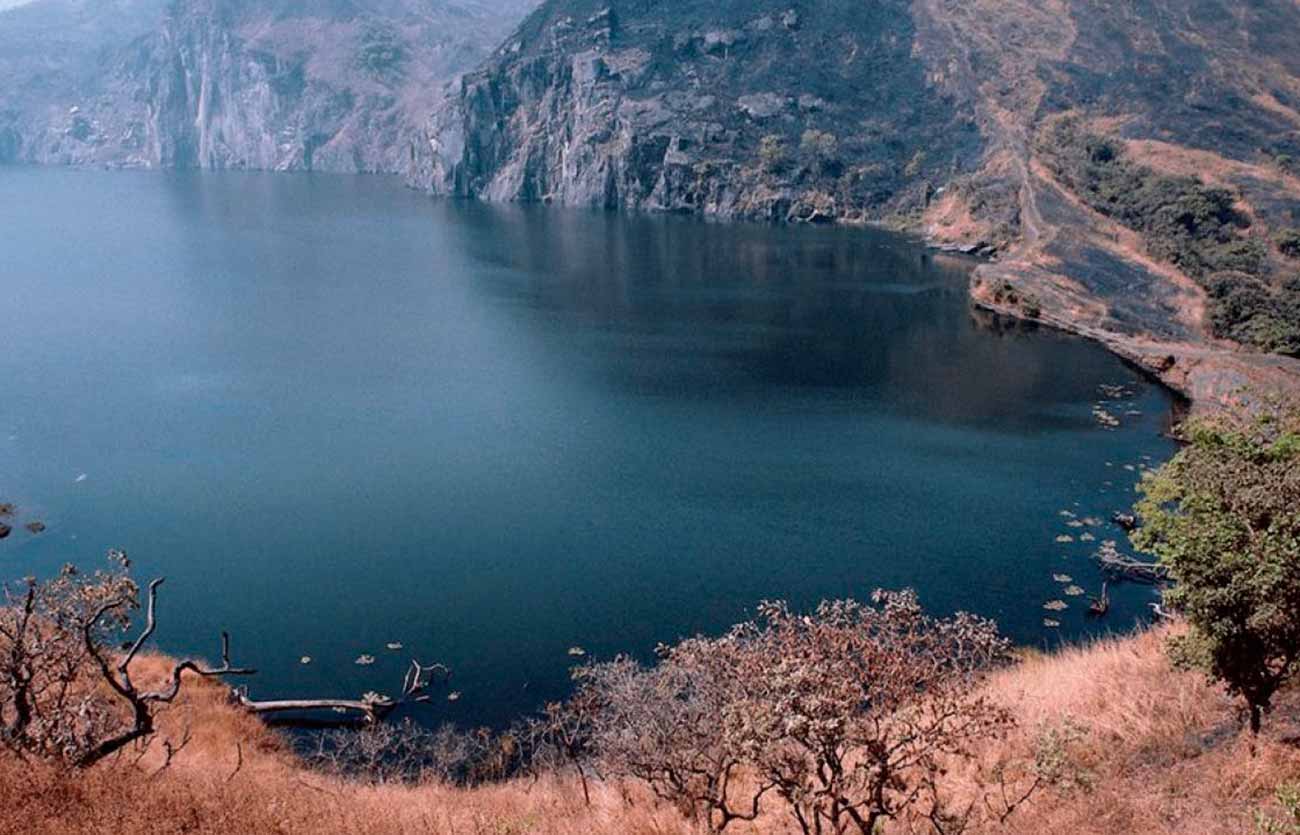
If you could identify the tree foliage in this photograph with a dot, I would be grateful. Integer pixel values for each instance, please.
(846, 713)
(1224, 516)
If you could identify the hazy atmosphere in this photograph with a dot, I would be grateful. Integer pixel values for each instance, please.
(781, 417)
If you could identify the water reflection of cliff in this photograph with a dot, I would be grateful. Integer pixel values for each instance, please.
(714, 310)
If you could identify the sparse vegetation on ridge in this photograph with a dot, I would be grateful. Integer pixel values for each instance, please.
(1197, 228)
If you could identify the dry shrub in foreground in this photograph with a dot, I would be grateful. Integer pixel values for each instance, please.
(847, 714)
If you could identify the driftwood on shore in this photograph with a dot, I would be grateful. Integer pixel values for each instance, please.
(1120, 567)
(370, 708)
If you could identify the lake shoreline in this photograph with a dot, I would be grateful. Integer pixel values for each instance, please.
(1205, 377)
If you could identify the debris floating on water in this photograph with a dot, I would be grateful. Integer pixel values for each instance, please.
(1063, 578)
(80, 478)
(1074, 591)
(395, 646)
(1087, 537)
(453, 696)
(1056, 605)
(1051, 623)
(1104, 418)
(577, 652)
(365, 660)
(1064, 538)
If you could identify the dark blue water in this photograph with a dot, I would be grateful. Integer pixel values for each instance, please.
(337, 414)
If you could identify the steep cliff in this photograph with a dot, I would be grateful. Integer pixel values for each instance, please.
(267, 84)
(972, 121)
(816, 111)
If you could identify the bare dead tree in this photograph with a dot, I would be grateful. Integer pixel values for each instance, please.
(562, 737)
(64, 694)
(142, 703)
(665, 726)
(239, 762)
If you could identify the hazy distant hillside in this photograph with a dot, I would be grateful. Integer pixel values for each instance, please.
(271, 84)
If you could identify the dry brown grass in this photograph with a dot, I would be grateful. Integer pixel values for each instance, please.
(1161, 750)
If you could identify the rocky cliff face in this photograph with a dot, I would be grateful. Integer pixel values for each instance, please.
(269, 84)
(939, 116)
(812, 111)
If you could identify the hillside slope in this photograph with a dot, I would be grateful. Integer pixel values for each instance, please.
(267, 84)
(1152, 751)
(931, 115)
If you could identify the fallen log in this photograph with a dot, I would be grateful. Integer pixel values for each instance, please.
(370, 708)
(1119, 567)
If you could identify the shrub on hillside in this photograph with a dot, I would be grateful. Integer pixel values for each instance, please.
(1288, 242)
(1224, 517)
(1247, 310)
(821, 149)
(847, 714)
(772, 154)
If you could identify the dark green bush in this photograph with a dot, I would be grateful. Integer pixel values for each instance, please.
(1189, 224)
(1288, 242)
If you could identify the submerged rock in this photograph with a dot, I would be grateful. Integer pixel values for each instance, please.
(5, 530)
(1127, 521)
(35, 527)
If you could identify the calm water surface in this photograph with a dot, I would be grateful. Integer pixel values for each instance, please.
(336, 414)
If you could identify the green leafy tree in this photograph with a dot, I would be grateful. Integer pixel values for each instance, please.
(1224, 516)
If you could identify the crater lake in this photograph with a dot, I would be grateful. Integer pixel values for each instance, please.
(336, 415)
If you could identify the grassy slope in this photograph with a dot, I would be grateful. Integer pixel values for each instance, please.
(1161, 747)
